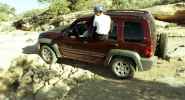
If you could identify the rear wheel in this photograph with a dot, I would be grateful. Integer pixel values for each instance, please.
(48, 55)
(123, 68)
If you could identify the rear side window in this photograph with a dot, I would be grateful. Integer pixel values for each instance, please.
(133, 32)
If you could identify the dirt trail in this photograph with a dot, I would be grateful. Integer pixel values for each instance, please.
(176, 46)
(12, 44)
(125, 90)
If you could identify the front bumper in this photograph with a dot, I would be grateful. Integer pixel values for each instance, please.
(147, 63)
(38, 46)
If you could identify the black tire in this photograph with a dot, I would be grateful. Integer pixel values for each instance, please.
(162, 48)
(48, 55)
(122, 68)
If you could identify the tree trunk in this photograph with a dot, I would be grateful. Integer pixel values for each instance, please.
(170, 13)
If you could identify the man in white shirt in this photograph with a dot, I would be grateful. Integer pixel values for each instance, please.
(102, 23)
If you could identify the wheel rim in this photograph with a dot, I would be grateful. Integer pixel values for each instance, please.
(46, 54)
(121, 69)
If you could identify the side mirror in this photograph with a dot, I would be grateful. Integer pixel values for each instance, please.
(70, 31)
(82, 38)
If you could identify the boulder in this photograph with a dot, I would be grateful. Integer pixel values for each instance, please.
(47, 21)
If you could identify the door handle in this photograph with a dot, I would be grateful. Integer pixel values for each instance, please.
(85, 42)
(116, 44)
(69, 47)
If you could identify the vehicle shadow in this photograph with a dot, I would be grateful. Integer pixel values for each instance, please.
(31, 49)
(125, 90)
(101, 70)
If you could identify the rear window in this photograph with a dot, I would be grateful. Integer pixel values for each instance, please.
(133, 32)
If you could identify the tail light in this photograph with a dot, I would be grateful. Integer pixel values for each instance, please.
(148, 51)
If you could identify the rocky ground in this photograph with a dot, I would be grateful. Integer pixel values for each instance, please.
(24, 76)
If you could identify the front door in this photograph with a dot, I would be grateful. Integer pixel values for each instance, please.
(72, 44)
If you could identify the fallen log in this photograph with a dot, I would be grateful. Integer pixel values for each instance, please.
(171, 13)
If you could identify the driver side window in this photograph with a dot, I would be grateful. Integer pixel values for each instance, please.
(79, 29)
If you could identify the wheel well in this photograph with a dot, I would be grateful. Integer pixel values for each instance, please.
(124, 57)
(41, 44)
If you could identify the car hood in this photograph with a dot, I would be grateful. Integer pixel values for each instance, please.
(58, 29)
(51, 35)
(57, 32)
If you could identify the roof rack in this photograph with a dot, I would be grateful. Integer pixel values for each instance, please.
(131, 10)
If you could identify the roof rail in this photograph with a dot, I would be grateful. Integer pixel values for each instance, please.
(131, 10)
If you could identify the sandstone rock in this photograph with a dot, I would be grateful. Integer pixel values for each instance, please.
(47, 27)
(26, 27)
(3, 87)
(46, 21)
(37, 81)
(4, 97)
(181, 71)
(50, 92)
(172, 81)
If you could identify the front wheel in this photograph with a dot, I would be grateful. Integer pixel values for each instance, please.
(123, 68)
(48, 55)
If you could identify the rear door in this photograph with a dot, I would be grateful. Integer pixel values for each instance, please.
(97, 49)
(135, 35)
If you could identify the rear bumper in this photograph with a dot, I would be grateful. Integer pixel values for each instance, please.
(147, 63)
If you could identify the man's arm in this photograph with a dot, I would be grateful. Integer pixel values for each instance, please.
(94, 21)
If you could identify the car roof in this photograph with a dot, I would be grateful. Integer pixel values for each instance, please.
(128, 12)
(139, 13)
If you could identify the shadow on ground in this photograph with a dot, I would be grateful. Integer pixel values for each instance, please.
(112, 89)
(100, 70)
(125, 90)
(31, 49)
(97, 69)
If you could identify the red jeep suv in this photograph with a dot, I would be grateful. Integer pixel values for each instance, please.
(130, 47)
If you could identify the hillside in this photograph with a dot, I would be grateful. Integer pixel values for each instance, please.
(173, 13)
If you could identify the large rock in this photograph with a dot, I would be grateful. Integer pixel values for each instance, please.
(46, 20)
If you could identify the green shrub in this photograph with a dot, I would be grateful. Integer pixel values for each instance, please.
(133, 4)
(81, 5)
(66, 6)
(3, 16)
(59, 7)
(31, 13)
(6, 11)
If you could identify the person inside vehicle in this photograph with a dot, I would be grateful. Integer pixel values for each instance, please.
(101, 22)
